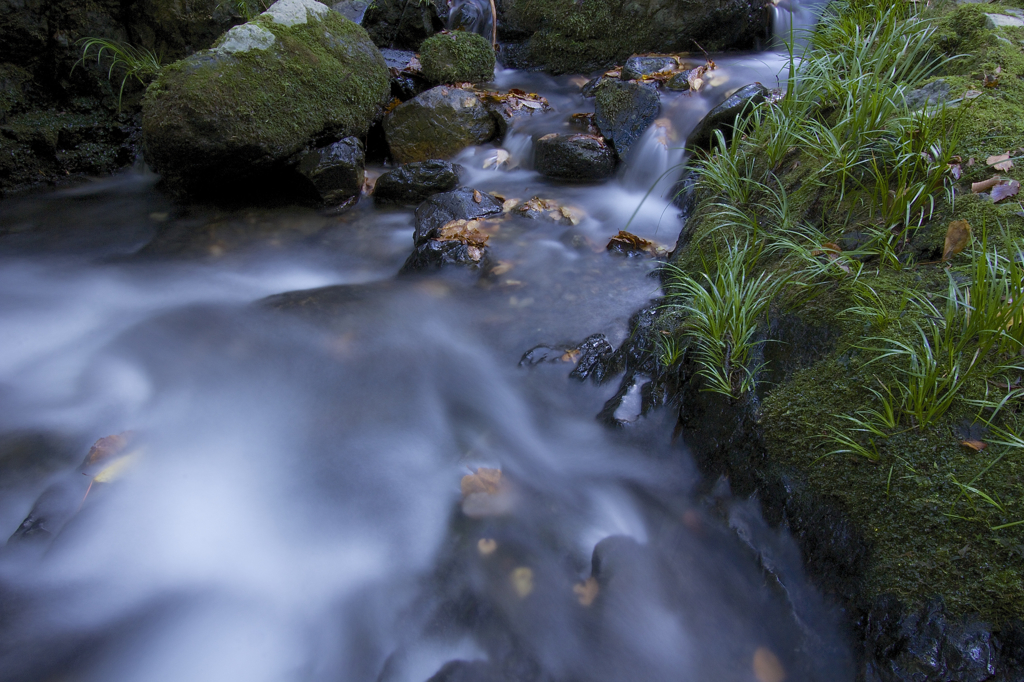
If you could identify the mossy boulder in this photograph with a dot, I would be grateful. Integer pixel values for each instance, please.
(623, 111)
(298, 75)
(581, 35)
(457, 57)
(437, 124)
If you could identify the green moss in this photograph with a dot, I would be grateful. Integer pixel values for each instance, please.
(320, 79)
(457, 57)
(928, 536)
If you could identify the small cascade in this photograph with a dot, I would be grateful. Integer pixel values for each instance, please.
(476, 16)
(796, 18)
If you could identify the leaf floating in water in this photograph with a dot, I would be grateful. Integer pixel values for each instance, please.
(587, 592)
(486, 546)
(522, 581)
(106, 449)
(572, 214)
(1001, 162)
(116, 468)
(767, 666)
(958, 236)
(509, 204)
(975, 445)
(485, 493)
(498, 158)
(483, 481)
(502, 267)
(1005, 190)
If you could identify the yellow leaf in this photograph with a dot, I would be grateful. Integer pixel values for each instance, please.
(483, 481)
(975, 445)
(767, 666)
(587, 591)
(958, 236)
(116, 468)
(486, 546)
(522, 581)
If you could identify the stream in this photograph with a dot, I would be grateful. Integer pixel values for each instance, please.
(291, 506)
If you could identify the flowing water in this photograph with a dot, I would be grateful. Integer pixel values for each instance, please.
(291, 507)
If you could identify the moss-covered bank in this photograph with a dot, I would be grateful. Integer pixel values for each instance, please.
(842, 202)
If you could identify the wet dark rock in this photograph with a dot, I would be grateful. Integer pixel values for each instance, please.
(932, 94)
(435, 254)
(573, 156)
(406, 82)
(460, 204)
(623, 112)
(402, 24)
(926, 645)
(457, 57)
(724, 115)
(589, 88)
(437, 124)
(214, 119)
(594, 352)
(415, 182)
(638, 66)
(334, 171)
(507, 110)
(679, 82)
(353, 10)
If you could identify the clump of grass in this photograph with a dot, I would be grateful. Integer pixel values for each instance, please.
(720, 317)
(136, 63)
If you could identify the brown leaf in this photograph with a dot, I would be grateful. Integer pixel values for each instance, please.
(955, 170)
(587, 591)
(522, 581)
(477, 197)
(627, 242)
(767, 666)
(466, 231)
(483, 481)
(1000, 162)
(1005, 190)
(985, 185)
(958, 236)
(486, 546)
(975, 445)
(501, 268)
(107, 448)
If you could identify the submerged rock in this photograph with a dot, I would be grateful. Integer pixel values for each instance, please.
(462, 204)
(638, 66)
(457, 57)
(623, 112)
(724, 115)
(575, 157)
(415, 182)
(437, 124)
(334, 171)
(296, 75)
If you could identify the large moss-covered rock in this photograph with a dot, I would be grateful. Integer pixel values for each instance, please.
(623, 111)
(296, 75)
(437, 124)
(457, 57)
(581, 35)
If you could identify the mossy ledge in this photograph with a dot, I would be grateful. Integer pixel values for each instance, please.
(860, 293)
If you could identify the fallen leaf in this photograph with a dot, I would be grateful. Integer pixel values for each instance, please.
(466, 231)
(1001, 162)
(116, 468)
(971, 162)
(958, 236)
(571, 355)
(486, 546)
(477, 197)
(501, 268)
(1005, 190)
(574, 215)
(955, 170)
(975, 445)
(587, 591)
(767, 666)
(628, 243)
(107, 448)
(985, 185)
(483, 481)
(522, 581)
(971, 94)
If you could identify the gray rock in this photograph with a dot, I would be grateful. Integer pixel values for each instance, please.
(435, 254)
(644, 65)
(415, 182)
(724, 115)
(437, 124)
(623, 112)
(353, 10)
(576, 157)
(679, 82)
(334, 171)
(460, 204)
(1003, 21)
(932, 94)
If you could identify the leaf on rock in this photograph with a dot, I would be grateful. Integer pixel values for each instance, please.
(587, 592)
(628, 243)
(572, 214)
(958, 236)
(498, 158)
(107, 448)
(466, 231)
(1005, 190)
(483, 481)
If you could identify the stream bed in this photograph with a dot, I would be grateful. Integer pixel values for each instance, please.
(293, 505)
